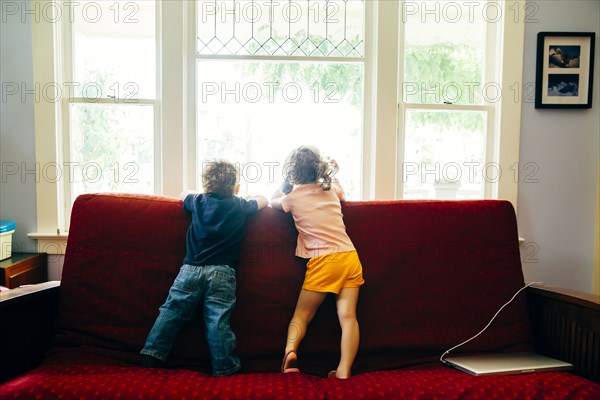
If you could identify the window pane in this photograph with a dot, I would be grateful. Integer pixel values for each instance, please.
(283, 28)
(254, 113)
(444, 51)
(444, 155)
(114, 49)
(112, 149)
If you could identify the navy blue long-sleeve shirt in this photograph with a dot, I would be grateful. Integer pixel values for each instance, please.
(217, 228)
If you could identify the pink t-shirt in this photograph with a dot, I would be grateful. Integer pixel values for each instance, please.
(319, 220)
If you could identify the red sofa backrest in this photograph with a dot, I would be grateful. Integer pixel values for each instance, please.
(435, 271)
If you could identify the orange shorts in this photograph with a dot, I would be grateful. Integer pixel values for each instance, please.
(332, 272)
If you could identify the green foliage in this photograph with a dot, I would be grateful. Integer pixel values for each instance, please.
(107, 150)
(91, 146)
(337, 81)
(442, 66)
(342, 80)
(433, 74)
(440, 73)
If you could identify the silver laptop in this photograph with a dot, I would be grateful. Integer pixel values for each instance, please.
(506, 363)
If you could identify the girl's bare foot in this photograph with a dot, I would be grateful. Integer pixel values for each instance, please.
(334, 374)
(290, 362)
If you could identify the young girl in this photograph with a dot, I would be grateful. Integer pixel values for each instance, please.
(313, 198)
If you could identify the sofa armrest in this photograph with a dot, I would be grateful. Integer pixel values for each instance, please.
(566, 325)
(27, 325)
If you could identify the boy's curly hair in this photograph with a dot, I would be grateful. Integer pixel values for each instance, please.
(305, 165)
(219, 177)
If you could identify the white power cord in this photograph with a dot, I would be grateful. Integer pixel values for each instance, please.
(489, 323)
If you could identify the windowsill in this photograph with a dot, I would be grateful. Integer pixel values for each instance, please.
(44, 236)
(51, 243)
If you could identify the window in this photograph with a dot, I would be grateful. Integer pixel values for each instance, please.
(110, 141)
(413, 99)
(271, 76)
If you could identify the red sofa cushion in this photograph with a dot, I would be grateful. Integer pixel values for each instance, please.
(111, 382)
(450, 384)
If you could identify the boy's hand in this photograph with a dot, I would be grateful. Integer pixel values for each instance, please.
(260, 200)
(185, 193)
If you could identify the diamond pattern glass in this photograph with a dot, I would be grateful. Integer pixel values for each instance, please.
(305, 28)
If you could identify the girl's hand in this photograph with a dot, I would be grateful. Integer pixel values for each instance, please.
(286, 187)
(334, 166)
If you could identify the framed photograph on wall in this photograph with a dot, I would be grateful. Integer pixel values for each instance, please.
(564, 71)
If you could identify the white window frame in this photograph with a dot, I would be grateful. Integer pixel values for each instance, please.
(176, 132)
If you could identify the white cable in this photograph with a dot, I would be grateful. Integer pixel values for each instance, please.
(489, 323)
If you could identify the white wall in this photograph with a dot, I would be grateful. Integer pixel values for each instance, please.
(557, 214)
(17, 136)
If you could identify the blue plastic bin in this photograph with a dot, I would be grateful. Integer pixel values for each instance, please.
(7, 227)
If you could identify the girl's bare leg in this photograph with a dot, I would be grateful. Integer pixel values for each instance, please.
(346, 310)
(306, 308)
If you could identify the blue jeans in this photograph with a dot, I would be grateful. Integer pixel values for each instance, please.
(213, 286)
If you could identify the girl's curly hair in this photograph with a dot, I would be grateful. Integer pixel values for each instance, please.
(219, 177)
(305, 165)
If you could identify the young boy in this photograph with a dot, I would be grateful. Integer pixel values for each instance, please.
(207, 275)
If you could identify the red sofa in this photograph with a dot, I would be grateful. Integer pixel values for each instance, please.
(435, 271)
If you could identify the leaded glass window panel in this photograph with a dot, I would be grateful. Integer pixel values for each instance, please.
(313, 28)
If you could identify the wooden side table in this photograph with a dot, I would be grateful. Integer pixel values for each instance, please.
(23, 269)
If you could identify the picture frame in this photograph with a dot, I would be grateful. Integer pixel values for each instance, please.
(564, 69)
